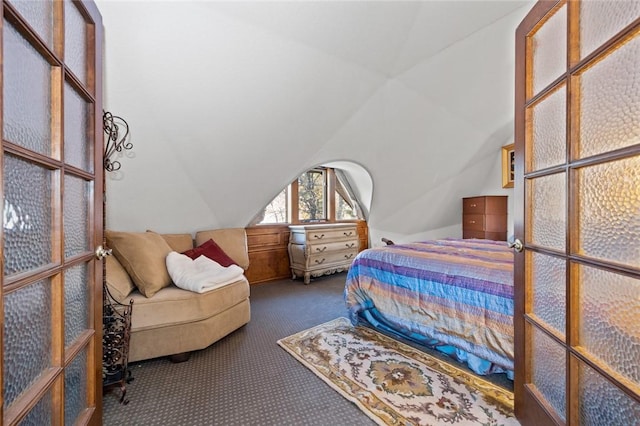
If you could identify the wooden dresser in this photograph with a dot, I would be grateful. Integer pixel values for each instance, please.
(316, 250)
(485, 217)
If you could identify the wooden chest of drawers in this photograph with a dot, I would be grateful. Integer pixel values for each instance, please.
(316, 250)
(485, 217)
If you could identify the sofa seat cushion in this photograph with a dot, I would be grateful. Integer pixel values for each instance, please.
(172, 305)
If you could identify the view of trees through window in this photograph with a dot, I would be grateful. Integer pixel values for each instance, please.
(344, 210)
(276, 211)
(311, 196)
(312, 201)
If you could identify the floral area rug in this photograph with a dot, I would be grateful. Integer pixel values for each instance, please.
(394, 383)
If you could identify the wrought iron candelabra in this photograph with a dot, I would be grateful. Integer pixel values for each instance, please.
(116, 317)
(116, 129)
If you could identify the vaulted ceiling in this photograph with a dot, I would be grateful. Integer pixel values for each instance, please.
(230, 101)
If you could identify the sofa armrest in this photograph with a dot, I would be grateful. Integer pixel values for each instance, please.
(232, 240)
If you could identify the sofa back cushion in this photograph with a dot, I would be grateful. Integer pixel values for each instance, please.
(118, 280)
(143, 256)
(178, 242)
(232, 240)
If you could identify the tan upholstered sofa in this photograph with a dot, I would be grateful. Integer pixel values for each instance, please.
(169, 320)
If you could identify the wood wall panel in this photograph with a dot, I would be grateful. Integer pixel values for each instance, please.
(363, 235)
(268, 253)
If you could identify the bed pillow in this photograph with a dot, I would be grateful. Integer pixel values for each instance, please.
(143, 256)
(211, 250)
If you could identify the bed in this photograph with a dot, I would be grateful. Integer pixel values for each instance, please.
(452, 294)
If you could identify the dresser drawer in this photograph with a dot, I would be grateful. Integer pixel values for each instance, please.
(474, 205)
(473, 222)
(320, 247)
(333, 234)
(324, 235)
(332, 258)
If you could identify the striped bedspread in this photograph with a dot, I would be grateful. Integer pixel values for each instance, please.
(455, 292)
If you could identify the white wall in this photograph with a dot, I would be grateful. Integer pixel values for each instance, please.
(229, 102)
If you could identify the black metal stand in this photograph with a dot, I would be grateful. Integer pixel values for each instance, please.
(116, 330)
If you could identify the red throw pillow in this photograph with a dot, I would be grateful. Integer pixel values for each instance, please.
(211, 250)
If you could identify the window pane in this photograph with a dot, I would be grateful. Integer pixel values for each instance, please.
(548, 276)
(608, 205)
(548, 370)
(548, 220)
(547, 141)
(549, 45)
(601, 403)
(77, 130)
(75, 386)
(610, 101)
(75, 36)
(600, 20)
(276, 211)
(344, 211)
(26, 354)
(28, 220)
(26, 93)
(311, 196)
(39, 14)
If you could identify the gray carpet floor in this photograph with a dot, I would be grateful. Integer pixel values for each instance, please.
(245, 378)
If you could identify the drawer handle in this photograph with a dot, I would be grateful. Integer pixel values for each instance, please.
(318, 237)
(348, 234)
(472, 205)
(350, 245)
(319, 261)
(348, 256)
(472, 221)
(320, 250)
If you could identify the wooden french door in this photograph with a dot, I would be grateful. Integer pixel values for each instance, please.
(578, 214)
(52, 213)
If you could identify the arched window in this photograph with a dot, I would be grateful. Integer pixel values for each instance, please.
(322, 194)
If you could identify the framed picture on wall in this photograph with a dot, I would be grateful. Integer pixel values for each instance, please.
(508, 163)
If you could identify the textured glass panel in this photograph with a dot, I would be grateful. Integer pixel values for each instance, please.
(548, 370)
(602, 19)
(548, 145)
(26, 95)
(601, 403)
(76, 215)
(548, 211)
(41, 414)
(75, 41)
(77, 148)
(39, 15)
(609, 207)
(610, 102)
(75, 388)
(76, 302)
(549, 290)
(26, 216)
(549, 49)
(610, 319)
(27, 337)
